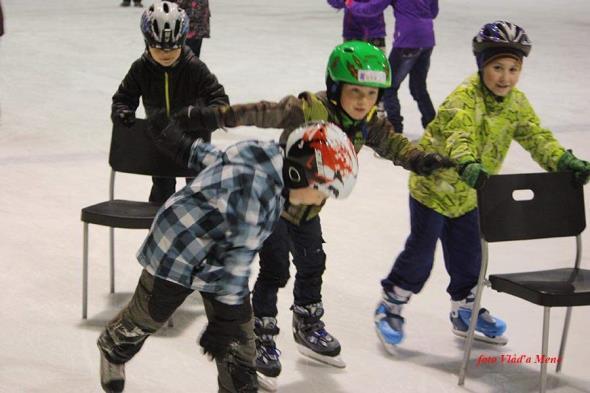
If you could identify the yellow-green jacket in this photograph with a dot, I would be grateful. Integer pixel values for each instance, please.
(472, 125)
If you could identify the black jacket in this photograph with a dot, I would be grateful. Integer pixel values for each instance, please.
(188, 82)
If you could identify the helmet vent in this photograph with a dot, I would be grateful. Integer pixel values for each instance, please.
(176, 28)
(166, 7)
(156, 28)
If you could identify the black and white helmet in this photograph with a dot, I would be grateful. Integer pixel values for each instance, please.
(502, 34)
(164, 25)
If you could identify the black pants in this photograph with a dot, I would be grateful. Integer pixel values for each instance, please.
(305, 243)
(154, 301)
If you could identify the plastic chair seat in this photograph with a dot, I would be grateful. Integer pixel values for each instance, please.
(120, 213)
(552, 288)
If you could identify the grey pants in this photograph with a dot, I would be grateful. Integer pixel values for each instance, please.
(154, 301)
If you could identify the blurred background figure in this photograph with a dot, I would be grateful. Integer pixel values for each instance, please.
(368, 28)
(127, 3)
(198, 14)
(1, 21)
(413, 41)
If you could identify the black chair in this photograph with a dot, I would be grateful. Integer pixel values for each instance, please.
(132, 151)
(556, 209)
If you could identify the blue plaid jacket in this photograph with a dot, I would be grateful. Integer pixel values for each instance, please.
(206, 235)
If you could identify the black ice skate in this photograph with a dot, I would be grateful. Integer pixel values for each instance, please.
(268, 364)
(112, 376)
(311, 337)
(125, 3)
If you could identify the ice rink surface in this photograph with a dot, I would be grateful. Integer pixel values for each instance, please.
(60, 63)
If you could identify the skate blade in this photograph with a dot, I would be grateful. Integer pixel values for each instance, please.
(498, 340)
(267, 383)
(335, 361)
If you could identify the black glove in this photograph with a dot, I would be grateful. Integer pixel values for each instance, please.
(158, 121)
(424, 164)
(474, 174)
(198, 117)
(173, 141)
(123, 116)
(218, 338)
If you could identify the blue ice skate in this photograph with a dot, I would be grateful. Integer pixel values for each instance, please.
(389, 324)
(488, 329)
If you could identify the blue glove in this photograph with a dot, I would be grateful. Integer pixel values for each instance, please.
(569, 163)
(474, 174)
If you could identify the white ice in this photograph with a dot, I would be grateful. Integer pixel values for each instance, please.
(60, 63)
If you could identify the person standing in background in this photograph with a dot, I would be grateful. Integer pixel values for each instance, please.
(413, 41)
(370, 28)
(1, 21)
(127, 3)
(198, 14)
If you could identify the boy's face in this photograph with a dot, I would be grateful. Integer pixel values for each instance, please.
(357, 101)
(306, 196)
(501, 75)
(163, 57)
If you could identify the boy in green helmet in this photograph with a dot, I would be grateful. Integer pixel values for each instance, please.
(356, 76)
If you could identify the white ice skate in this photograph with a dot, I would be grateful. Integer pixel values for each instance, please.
(488, 329)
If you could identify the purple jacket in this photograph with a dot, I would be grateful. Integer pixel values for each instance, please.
(413, 19)
(361, 27)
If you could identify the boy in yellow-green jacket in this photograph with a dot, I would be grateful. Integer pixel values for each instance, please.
(474, 127)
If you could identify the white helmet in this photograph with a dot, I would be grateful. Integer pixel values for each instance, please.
(320, 155)
(164, 25)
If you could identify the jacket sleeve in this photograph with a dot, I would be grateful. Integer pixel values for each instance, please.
(391, 145)
(211, 91)
(434, 9)
(286, 113)
(129, 91)
(338, 4)
(369, 8)
(538, 141)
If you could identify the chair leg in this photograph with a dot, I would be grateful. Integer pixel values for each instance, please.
(566, 328)
(544, 349)
(85, 272)
(470, 333)
(112, 257)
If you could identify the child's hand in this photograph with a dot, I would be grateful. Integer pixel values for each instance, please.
(124, 116)
(580, 168)
(424, 164)
(198, 118)
(474, 174)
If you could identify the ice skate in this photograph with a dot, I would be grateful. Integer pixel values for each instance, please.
(489, 329)
(137, 4)
(312, 338)
(112, 376)
(125, 3)
(268, 365)
(389, 324)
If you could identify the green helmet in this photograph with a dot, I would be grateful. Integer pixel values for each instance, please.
(357, 63)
